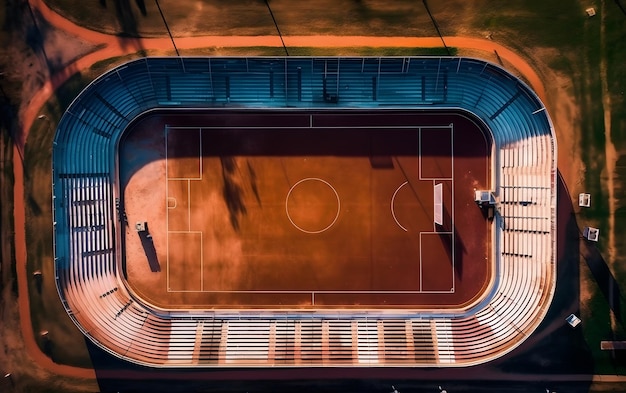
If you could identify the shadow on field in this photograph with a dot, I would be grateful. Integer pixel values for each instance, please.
(458, 247)
(233, 191)
(147, 242)
(603, 277)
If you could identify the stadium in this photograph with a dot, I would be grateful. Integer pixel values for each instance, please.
(306, 212)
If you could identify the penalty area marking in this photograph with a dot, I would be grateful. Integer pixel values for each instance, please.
(393, 212)
(287, 205)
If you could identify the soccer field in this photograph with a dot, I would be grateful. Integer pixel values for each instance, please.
(292, 209)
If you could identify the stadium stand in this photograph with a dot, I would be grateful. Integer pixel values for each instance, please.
(88, 219)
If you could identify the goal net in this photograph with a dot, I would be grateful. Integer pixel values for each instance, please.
(438, 214)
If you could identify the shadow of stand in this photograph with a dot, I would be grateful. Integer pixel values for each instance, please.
(147, 242)
(603, 277)
(555, 348)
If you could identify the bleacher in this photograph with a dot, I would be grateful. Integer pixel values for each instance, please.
(87, 224)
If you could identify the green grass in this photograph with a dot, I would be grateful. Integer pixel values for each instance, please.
(615, 55)
(594, 133)
(616, 61)
(541, 23)
(249, 17)
(592, 141)
(596, 327)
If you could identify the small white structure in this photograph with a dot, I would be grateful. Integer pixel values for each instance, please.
(140, 226)
(438, 197)
(591, 233)
(573, 320)
(484, 198)
(590, 11)
(584, 200)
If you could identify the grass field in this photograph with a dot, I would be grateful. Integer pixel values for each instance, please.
(587, 55)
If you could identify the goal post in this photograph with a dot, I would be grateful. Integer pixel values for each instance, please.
(438, 198)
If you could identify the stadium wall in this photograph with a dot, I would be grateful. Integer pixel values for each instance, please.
(86, 214)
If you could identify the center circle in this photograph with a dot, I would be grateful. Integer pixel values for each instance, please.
(312, 205)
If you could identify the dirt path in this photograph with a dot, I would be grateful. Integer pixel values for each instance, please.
(112, 46)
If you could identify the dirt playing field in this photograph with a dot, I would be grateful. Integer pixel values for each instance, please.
(300, 210)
